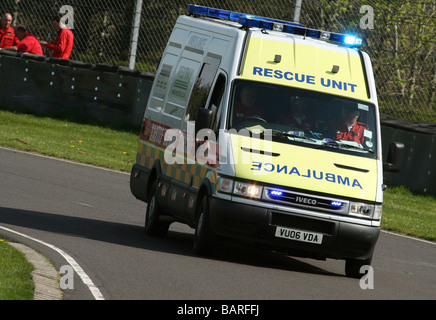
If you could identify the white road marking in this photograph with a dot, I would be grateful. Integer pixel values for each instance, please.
(80, 272)
(64, 160)
(408, 237)
(84, 204)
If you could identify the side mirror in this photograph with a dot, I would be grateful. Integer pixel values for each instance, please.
(203, 119)
(395, 157)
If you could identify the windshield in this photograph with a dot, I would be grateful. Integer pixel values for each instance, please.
(297, 116)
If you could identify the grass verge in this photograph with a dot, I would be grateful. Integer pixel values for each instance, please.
(15, 280)
(409, 213)
(92, 144)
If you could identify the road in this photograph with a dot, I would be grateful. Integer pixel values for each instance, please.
(89, 213)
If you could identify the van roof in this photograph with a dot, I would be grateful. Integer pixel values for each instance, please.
(290, 54)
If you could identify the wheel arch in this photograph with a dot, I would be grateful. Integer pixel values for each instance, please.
(204, 190)
(155, 173)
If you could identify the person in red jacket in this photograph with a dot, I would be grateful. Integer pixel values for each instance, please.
(7, 33)
(28, 42)
(350, 129)
(64, 42)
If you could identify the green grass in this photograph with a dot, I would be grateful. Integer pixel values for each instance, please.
(15, 280)
(403, 211)
(92, 144)
(410, 214)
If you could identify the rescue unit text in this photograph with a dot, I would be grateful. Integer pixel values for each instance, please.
(300, 77)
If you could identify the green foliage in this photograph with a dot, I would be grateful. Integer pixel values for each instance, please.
(402, 48)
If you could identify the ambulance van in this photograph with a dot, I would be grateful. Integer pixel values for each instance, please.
(267, 133)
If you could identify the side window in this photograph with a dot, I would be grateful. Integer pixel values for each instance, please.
(202, 87)
(160, 87)
(181, 84)
(215, 101)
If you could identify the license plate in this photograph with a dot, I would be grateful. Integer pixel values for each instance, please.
(298, 235)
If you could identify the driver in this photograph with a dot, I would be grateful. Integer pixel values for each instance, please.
(247, 105)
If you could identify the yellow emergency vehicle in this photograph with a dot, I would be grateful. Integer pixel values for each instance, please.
(267, 132)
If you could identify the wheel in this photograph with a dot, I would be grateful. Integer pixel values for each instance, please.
(153, 226)
(203, 237)
(353, 266)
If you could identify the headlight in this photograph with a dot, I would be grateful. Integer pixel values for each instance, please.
(363, 210)
(247, 190)
(239, 188)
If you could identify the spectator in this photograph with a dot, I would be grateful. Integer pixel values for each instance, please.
(28, 42)
(7, 33)
(64, 42)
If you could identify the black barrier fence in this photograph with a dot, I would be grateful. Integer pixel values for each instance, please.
(104, 93)
(418, 172)
(117, 96)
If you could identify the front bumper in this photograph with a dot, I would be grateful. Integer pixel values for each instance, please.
(257, 225)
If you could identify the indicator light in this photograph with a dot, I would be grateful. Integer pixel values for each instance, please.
(275, 193)
(336, 204)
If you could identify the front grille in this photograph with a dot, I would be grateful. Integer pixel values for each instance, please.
(286, 197)
(302, 223)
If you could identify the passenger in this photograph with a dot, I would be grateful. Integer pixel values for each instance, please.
(349, 128)
(247, 106)
(28, 42)
(296, 116)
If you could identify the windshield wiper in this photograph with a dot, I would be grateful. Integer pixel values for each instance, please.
(356, 147)
(282, 134)
(335, 144)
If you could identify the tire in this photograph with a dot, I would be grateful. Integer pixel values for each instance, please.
(204, 240)
(153, 226)
(353, 266)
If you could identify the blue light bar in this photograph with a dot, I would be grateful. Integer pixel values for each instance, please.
(234, 16)
(262, 24)
(352, 40)
(193, 9)
(251, 21)
(215, 13)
